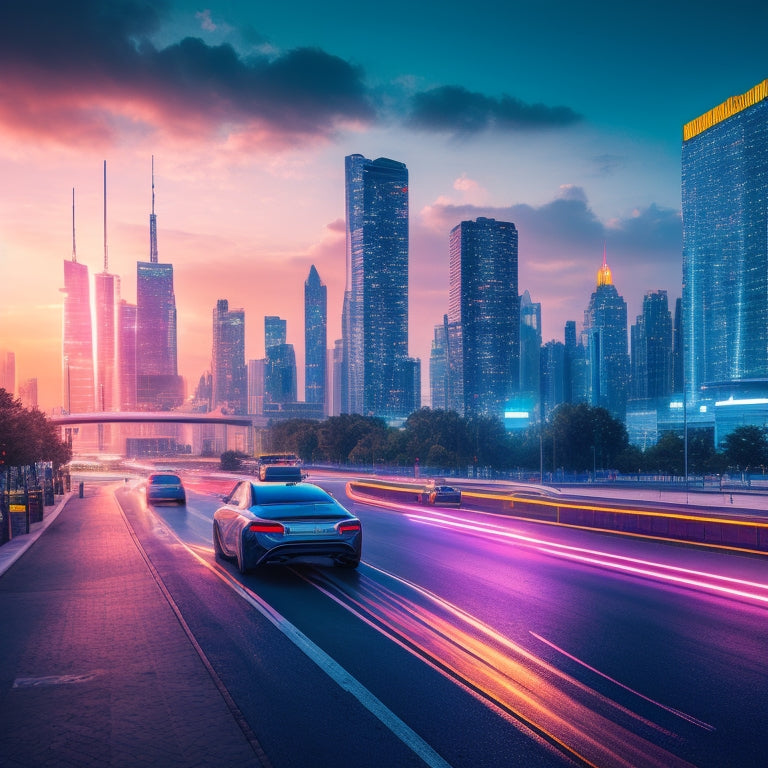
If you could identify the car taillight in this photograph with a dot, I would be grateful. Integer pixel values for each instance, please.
(349, 527)
(266, 528)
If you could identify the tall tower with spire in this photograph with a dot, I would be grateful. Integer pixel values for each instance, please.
(158, 386)
(153, 222)
(77, 338)
(106, 299)
(605, 340)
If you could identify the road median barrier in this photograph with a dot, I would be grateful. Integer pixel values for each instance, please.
(724, 531)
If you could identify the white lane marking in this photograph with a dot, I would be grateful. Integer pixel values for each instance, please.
(672, 710)
(332, 668)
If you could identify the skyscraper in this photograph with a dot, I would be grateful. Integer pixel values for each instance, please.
(438, 367)
(315, 338)
(725, 242)
(158, 384)
(375, 314)
(106, 290)
(483, 317)
(229, 387)
(126, 355)
(279, 364)
(530, 351)
(77, 335)
(651, 360)
(605, 333)
(8, 371)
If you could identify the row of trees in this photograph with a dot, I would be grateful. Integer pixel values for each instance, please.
(578, 438)
(27, 437)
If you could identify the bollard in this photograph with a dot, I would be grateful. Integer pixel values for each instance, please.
(80, 489)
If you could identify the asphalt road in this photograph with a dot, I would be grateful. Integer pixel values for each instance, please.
(468, 639)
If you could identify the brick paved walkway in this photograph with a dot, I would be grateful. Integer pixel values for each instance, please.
(95, 669)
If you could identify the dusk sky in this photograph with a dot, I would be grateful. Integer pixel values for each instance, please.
(565, 118)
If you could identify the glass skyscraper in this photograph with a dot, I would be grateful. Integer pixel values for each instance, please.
(483, 317)
(651, 363)
(78, 374)
(158, 385)
(229, 381)
(315, 338)
(605, 334)
(725, 248)
(375, 315)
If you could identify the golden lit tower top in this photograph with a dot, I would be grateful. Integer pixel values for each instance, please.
(727, 109)
(604, 276)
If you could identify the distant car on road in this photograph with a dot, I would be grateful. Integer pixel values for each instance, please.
(280, 523)
(440, 494)
(164, 486)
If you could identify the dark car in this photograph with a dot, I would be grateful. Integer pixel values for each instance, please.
(164, 486)
(279, 523)
(440, 494)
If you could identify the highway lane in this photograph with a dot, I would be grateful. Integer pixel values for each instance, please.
(625, 662)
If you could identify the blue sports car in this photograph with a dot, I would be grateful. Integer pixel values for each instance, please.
(278, 523)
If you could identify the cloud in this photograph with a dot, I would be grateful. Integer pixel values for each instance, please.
(559, 253)
(458, 111)
(89, 69)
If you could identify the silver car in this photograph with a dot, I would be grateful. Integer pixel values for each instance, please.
(278, 523)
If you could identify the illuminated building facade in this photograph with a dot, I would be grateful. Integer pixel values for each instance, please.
(77, 340)
(158, 385)
(229, 384)
(126, 355)
(280, 363)
(530, 351)
(483, 317)
(725, 242)
(651, 361)
(375, 315)
(438, 367)
(315, 338)
(605, 337)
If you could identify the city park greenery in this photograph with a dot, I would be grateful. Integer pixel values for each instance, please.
(578, 438)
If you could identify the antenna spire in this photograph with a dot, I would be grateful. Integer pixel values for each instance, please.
(74, 247)
(106, 257)
(153, 222)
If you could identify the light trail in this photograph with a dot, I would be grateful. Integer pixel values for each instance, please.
(500, 672)
(725, 585)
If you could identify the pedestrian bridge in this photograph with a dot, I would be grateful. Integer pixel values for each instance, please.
(150, 417)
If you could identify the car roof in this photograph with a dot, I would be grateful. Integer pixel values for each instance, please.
(168, 476)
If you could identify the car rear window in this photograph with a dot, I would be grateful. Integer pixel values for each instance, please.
(165, 480)
(301, 493)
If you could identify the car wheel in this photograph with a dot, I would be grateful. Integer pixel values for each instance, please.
(218, 551)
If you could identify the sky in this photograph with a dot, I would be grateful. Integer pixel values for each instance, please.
(564, 118)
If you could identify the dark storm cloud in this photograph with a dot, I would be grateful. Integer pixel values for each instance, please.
(85, 58)
(453, 109)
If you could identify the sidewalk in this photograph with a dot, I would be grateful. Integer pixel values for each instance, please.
(95, 669)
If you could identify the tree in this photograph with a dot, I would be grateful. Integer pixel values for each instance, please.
(746, 447)
(27, 437)
(231, 460)
(584, 436)
(667, 456)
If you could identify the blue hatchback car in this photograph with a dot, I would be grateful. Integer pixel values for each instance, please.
(164, 486)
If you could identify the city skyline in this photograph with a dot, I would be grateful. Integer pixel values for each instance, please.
(250, 181)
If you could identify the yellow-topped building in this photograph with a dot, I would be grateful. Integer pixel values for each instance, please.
(725, 110)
